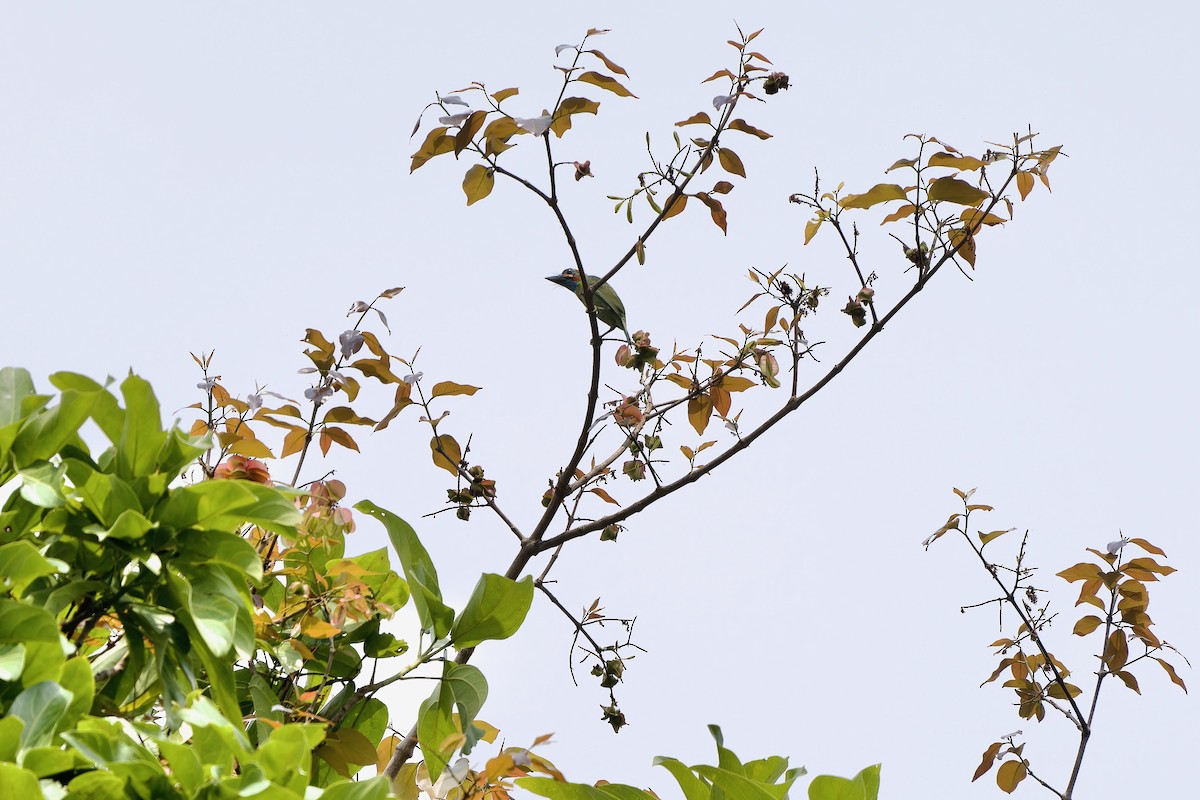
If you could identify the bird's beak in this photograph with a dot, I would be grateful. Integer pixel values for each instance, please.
(559, 279)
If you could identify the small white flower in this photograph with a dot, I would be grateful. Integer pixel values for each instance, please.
(358, 307)
(721, 100)
(414, 378)
(453, 100)
(535, 125)
(558, 51)
(454, 119)
(1115, 547)
(207, 384)
(254, 401)
(1011, 735)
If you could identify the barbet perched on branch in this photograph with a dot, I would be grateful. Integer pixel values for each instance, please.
(609, 308)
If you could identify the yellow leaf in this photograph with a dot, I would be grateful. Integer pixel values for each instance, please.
(746, 127)
(477, 183)
(880, 193)
(730, 162)
(504, 94)
(903, 211)
(340, 437)
(1086, 625)
(605, 82)
(953, 190)
(447, 388)
(965, 243)
(436, 143)
(466, 133)
(680, 381)
(608, 62)
(1010, 774)
(695, 119)
(904, 162)
(1024, 184)
(958, 162)
(1082, 571)
(449, 455)
(700, 410)
(675, 207)
(318, 628)
(811, 228)
(737, 383)
(252, 448)
(569, 106)
(293, 442)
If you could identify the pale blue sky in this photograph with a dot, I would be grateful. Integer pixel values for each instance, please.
(182, 178)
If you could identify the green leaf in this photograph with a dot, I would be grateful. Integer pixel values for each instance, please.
(478, 183)
(605, 82)
(21, 564)
(220, 547)
(218, 668)
(880, 193)
(227, 505)
(863, 786)
(19, 782)
(143, 436)
(287, 755)
(10, 737)
(107, 413)
(563, 790)
(45, 434)
(20, 623)
(12, 663)
(15, 385)
(42, 484)
(76, 678)
(953, 190)
(376, 788)
(495, 611)
(435, 724)
(418, 570)
(470, 690)
(693, 788)
(41, 707)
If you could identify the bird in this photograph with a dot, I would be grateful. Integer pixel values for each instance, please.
(609, 308)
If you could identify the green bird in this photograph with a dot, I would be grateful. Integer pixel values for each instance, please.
(609, 308)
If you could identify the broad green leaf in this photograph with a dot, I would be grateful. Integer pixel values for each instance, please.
(15, 385)
(495, 611)
(435, 724)
(143, 436)
(19, 782)
(97, 785)
(218, 668)
(41, 707)
(418, 570)
(478, 183)
(107, 413)
(693, 788)
(563, 790)
(605, 82)
(953, 190)
(371, 789)
(20, 623)
(880, 193)
(130, 525)
(470, 690)
(42, 484)
(12, 663)
(76, 678)
(103, 494)
(10, 737)
(863, 786)
(227, 505)
(220, 547)
(21, 564)
(286, 756)
(52, 760)
(45, 434)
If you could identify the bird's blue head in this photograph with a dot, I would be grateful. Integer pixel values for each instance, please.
(568, 278)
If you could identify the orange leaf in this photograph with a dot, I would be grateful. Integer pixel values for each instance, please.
(1024, 184)
(605, 82)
